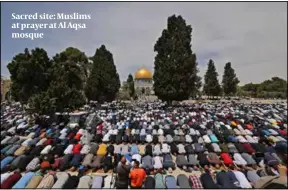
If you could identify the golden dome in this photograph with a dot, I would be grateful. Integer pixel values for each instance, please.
(143, 73)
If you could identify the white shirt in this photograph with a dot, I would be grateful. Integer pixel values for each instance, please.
(241, 139)
(85, 149)
(181, 149)
(110, 131)
(149, 138)
(46, 150)
(248, 132)
(115, 132)
(158, 162)
(106, 137)
(273, 132)
(63, 131)
(250, 139)
(136, 157)
(243, 132)
(142, 132)
(244, 183)
(192, 131)
(206, 139)
(228, 126)
(5, 140)
(165, 148)
(238, 160)
(41, 142)
(216, 147)
(281, 138)
(154, 132)
(68, 150)
(160, 131)
(176, 132)
(25, 143)
(133, 132)
(12, 130)
(188, 139)
(62, 136)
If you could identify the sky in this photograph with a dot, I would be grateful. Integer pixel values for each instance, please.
(250, 35)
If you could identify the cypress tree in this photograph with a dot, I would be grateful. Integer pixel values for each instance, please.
(229, 80)
(175, 66)
(211, 86)
(103, 82)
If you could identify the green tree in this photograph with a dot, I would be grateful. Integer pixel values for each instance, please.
(43, 104)
(251, 89)
(211, 84)
(103, 82)
(68, 78)
(229, 80)
(274, 88)
(131, 87)
(30, 74)
(175, 66)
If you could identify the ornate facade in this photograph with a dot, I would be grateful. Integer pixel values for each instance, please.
(143, 82)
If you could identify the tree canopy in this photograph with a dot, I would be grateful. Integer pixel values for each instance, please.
(68, 79)
(30, 74)
(274, 88)
(103, 82)
(211, 83)
(175, 66)
(229, 80)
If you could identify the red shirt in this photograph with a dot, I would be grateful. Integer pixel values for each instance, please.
(100, 127)
(57, 163)
(226, 158)
(248, 148)
(76, 149)
(248, 126)
(48, 142)
(78, 136)
(45, 164)
(11, 181)
(283, 132)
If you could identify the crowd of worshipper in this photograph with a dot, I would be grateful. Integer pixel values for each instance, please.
(226, 145)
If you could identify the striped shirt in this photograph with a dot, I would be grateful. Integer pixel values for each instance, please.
(196, 183)
(33, 164)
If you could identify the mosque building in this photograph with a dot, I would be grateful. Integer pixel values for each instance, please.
(143, 82)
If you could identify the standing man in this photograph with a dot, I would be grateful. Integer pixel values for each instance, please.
(122, 170)
(137, 176)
